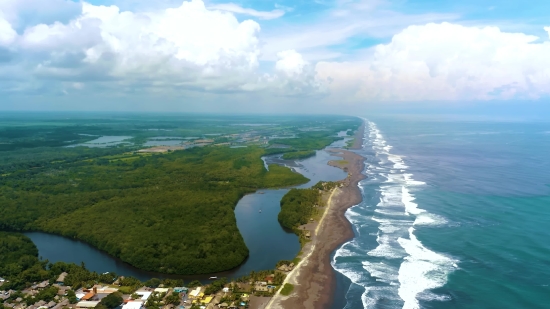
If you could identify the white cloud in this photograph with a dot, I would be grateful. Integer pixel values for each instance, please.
(325, 34)
(7, 34)
(188, 46)
(234, 8)
(296, 74)
(290, 63)
(445, 62)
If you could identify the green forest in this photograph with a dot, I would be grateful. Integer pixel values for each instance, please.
(297, 207)
(298, 154)
(19, 264)
(171, 212)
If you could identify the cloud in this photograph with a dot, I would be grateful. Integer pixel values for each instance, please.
(445, 62)
(185, 48)
(297, 75)
(7, 34)
(234, 8)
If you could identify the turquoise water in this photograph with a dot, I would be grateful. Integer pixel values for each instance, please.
(455, 214)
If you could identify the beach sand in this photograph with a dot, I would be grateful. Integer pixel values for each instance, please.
(313, 278)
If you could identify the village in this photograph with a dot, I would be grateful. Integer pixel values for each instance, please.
(246, 292)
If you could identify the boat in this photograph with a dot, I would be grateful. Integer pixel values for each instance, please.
(213, 278)
(260, 210)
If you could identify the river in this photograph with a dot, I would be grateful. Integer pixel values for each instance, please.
(267, 241)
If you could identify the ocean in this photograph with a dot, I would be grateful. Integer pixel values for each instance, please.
(455, 214)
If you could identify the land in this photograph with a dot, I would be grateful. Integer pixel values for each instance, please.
(30, 283)
(168, 211)
(313, 278)
(156, 207)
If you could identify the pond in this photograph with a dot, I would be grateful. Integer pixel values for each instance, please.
(104, 141)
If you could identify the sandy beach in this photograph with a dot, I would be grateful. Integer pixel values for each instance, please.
(313, 278)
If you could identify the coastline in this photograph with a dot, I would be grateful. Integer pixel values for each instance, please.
(314, 278)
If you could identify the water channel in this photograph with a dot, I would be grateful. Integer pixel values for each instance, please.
(267, 241)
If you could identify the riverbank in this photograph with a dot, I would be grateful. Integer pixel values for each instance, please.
(313, 278)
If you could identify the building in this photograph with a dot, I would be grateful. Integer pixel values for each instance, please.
(61, 279)
(181, 289)
(133, 305)
(86, 304)
(42, 285)
(144, 295)
(207, 300)
(88, 296)
(161, 290)
(195, 293)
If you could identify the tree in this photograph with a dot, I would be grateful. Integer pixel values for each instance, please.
(112, 300)
(152, 283)
(173, 299)
(72, 297)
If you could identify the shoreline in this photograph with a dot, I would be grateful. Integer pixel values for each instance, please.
(313, 278)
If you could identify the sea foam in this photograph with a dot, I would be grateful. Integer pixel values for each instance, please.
(399, 270)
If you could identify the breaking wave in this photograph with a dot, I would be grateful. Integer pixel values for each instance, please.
(390, 267)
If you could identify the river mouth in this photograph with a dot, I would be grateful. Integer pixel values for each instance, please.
(256, 214)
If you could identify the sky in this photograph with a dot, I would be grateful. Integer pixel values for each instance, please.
(317, 56)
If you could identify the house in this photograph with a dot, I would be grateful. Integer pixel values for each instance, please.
(63, 304)
(40, 303)
(51, 304)
(161, 290)
(223, 305)
(117, 281)
(181, 289)
(143, 295)
(61, 279)
(260, 286)
(88, 296)
(133, 305)
(87, 304)
(207, 300)
(62, 290)
(42, 285)
(195, 292)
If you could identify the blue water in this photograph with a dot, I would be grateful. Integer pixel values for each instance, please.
(455, 214)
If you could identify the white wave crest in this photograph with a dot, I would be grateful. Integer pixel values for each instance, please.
(402, 267)
(422, 270)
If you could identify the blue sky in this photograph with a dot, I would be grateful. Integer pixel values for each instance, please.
(320, 56)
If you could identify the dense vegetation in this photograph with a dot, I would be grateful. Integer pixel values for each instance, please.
(19, 260)
(19, 264)
(297, 207)
(111, 301)
(171, 213)
(298, 154)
